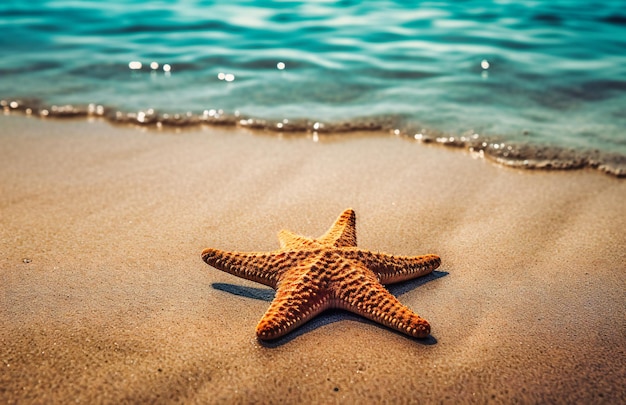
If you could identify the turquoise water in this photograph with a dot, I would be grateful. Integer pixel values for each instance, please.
(531, 78)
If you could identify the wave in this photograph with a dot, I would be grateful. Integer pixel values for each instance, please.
(493, 148)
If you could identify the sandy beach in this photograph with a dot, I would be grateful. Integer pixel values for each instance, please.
(104, 297)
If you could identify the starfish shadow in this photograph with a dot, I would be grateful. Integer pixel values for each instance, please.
(332, 315)
(263, 294)
(402, 288)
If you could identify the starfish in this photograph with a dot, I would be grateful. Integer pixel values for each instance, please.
(312, 275)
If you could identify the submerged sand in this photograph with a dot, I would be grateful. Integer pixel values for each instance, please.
(104, 297)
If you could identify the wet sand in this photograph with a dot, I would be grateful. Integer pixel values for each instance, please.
(104, 297)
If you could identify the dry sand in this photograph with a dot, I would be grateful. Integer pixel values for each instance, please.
(104, 297)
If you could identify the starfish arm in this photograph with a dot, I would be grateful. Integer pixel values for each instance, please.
(290, 241)
(343, 231)
(394, 269)
(299, 298)
(264, 268)
(371, 300)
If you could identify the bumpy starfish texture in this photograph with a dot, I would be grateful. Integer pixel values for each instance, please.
(312, 275)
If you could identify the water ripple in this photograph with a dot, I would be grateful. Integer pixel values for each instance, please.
(543, 73)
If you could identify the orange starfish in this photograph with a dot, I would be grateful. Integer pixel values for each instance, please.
(312, 275)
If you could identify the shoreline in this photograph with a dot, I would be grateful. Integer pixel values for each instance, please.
(105, 297)
(526, 156)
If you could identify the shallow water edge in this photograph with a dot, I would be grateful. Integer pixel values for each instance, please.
(506, 153)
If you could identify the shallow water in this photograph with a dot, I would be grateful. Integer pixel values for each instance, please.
(524, 80)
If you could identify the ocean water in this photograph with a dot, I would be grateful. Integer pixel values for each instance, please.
(527, 83)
